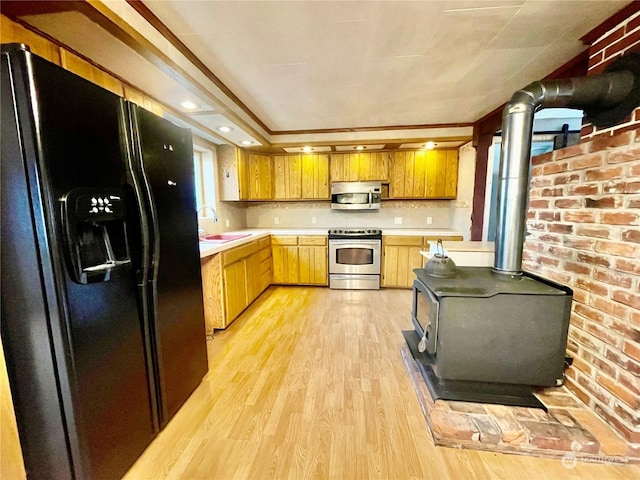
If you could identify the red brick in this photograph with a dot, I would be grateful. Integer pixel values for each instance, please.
(555, 167)
(561, 278)
(632, 24)
(586, 130)
(634, 170)
(593, 259)
(603, 142)
(578, 391)
(607, 306)
(590, 313)
(453, 425)
(632, 349)
(620, 218)
(614, 36)
(560, 228)
(549, 216)
(488, 428)
(561, 252)
(593, 232)
(579, 243)
(633, 203)
(550, 262)
(631, 436)
(624, 155)
(592, 189)
(604, 202)
(625, 362)
(617, 248)
(569, 203)
(626, 298)
(631, 236)
(612, 278)
(618, 391)
(579, 295)
(577, 321)
(631, 187)
(539, 203)
(537, 226)
(629, 379)
(622, 411)
(548, 436)
(604, 174)
(587, 161)
(512, 432)
(466, 407)
(577, 268)
(621, 45)
(552, 192)
(579, 217)
(600, 364)
(542, 158)
(553, 239)
(602, 334)
(628, 331)
(572, 151)
(594, 390)
(587, 340)
(539, 182)
(614, 187)
(565, 179)
(629, 266)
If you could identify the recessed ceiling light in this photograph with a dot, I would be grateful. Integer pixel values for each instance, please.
(429, 145)
(224, 129)
(246, 142)
(307, 149)
(360, 147)
(189, 105)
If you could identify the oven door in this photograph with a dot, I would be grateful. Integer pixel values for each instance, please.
(354, 256)
(425, 314)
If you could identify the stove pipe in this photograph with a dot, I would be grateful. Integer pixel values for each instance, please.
(607, 99)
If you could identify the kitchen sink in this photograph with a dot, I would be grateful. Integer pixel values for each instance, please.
(217, 238)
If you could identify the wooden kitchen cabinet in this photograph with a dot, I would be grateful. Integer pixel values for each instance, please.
(299, 260)
(360, 167)
(301, 177)
(424, 174)
(401, 255)
(233, 279)
(259, 177)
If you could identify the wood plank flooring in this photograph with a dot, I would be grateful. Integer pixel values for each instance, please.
(309, 383)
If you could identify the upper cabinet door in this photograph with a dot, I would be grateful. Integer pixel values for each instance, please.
(357, 167)
(423, 174)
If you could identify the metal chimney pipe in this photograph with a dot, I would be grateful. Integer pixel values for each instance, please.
(606, 99)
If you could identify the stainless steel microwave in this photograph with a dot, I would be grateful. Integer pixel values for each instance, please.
(356, 195)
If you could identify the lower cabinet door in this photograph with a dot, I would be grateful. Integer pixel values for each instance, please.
(235, 286)
(285, 264)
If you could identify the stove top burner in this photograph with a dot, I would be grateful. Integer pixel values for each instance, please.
(371, 233)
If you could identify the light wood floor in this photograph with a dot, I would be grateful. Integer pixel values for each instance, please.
(309, 384)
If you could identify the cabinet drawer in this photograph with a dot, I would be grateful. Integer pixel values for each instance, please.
(402, 240)
(284, 240)
(264, 255)
(312, 240)
(264, 242)
(237, 253)
(265, 266)
(444, 238)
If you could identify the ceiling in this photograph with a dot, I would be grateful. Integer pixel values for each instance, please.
(286, 73)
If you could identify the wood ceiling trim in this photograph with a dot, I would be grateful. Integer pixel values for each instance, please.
(459, 138)
(372, 129)
(99, 13)
(148, 15)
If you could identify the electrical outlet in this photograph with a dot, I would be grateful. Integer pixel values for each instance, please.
(429, 220)
(313, 220)
(276, 220)
(397, 220)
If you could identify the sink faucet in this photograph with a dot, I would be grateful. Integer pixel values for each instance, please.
(213, 212)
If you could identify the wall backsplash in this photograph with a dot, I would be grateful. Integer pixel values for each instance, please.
(454, 214)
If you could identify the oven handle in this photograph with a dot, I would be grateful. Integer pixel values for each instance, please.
(370, 199)
(354, 243)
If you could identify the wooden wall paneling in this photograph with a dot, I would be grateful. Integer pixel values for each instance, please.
(12, 32)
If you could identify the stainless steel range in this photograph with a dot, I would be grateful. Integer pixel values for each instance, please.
(354, 258)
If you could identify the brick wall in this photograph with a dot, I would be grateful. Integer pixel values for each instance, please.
(584, 220)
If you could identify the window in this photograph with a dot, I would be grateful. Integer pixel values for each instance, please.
(205, 181)
(199, 177)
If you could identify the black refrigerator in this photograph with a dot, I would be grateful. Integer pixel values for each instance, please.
(102, 312)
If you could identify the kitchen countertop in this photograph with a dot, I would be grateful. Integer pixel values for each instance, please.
(208, 249)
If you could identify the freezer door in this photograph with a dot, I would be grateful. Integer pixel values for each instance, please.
(90, 334)
(165, 154)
